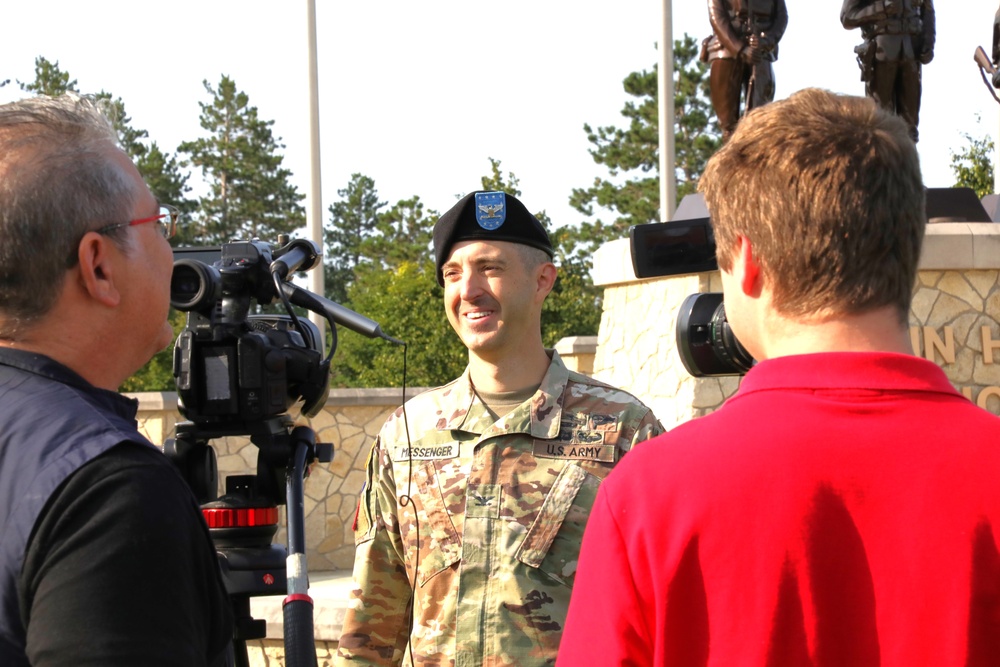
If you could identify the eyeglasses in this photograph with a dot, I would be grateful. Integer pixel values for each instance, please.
(167, 217)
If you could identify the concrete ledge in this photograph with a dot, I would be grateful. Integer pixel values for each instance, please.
(577, 345)
(156, 400)
(167, 400)
(613, 264)
(382, 396)
(947, 246)
(330, 592)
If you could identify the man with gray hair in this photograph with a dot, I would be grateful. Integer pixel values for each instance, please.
(104, 556)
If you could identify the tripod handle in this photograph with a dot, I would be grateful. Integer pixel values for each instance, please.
(300, 643)
(297, 610)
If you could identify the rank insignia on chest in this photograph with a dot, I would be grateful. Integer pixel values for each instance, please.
(448, 450)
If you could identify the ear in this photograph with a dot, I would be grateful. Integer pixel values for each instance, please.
(97, 271)
(750, 273)
(546, 279)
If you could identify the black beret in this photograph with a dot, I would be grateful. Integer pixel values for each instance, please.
(487, 216)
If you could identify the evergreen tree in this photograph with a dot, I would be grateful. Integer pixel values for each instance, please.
(631, 154)
(402, 234)
(250, 195)
(353, 222)
(631, 190)
(49, 79)
(161, 172)
(381, 266)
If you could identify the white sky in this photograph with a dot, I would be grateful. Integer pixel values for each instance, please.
(418, 95)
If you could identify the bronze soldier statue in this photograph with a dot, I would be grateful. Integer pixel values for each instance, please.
(741, 49)
(899, 39)
(996, 50)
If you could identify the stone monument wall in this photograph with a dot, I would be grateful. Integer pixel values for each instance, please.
(954, 321)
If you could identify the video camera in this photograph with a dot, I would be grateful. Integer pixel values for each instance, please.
(705, 341)
(234, 367)
(237, 373)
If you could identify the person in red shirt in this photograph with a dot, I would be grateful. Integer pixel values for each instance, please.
(843, 507)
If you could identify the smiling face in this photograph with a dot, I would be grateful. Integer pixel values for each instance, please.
(493, 298)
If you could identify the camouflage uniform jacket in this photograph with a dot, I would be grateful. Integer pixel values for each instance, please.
(482, 520)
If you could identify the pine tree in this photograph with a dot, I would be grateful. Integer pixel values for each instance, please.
(49, 79)
(631, 154)
(353, 222)
(250, 195)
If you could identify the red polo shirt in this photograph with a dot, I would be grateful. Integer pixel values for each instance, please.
(840, 509)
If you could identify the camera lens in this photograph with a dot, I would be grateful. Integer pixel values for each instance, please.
(705, 341)
(194, 286)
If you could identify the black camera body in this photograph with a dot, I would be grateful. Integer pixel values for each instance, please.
(705, 341)
(232, 367)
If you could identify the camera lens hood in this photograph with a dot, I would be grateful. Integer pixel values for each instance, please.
(705, 342)
(195, 286)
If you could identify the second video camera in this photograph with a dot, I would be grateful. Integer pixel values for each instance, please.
(705, 341)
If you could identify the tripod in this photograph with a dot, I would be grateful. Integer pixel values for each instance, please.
(244, 521)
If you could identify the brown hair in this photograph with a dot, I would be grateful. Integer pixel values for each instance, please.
(828, 190)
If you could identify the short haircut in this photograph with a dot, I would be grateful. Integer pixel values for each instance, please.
(828, 189)
(532, 257)
(57, 182)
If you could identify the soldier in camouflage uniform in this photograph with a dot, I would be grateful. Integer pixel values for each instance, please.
(471, 519)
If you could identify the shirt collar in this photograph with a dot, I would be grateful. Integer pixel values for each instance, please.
(847, 370)
(539, 416)
(46, 367)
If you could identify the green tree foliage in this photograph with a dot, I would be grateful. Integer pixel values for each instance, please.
(973, 165)
(49, 79)
(631, 154)
(630, 192)
(353, 221)
(407, 301)
(162, 173)
(380, 262)
(402, 234)
(250, 194)
(160, 170)
(158, 373)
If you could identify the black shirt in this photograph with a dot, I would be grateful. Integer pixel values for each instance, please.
(118, 567)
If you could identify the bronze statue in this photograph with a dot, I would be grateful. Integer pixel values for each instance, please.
(741, 49)
(899, 39)
(996, 50)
